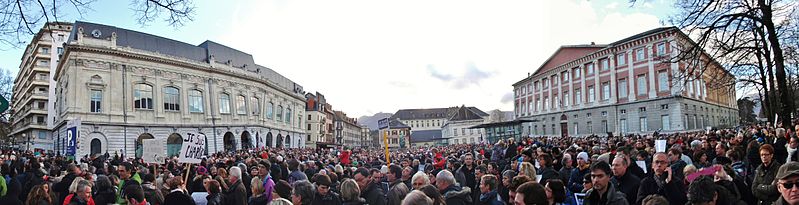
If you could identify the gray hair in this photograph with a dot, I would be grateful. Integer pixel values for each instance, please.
(445, 176)
(236, 172)
(420, 175)
(280, 201)
(305, 190)
(416, 197)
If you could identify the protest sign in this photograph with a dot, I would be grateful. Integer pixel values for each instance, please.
(193, 148)
(154, 151)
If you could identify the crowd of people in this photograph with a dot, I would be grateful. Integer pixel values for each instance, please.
(746, 165)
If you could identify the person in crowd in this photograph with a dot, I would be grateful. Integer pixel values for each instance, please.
(762, 186)
(419, 179)
(304, 193)
(372, 192)
(351, 193)
(626, 182)
(655, 199)
(39, 196)
(134, 195)
(566, 170)
(577, 174)
(556, 192)
(432, 192)
(323, 195)
(283, 189)
(503, 190)
(488, 191)
(603, 192)
(177, 194)
(222, 178)
(546, 170)
(528, 169)
(214, 191)
(792, 147)
(467, 171)
(296, 174)
(530, 193)
(677, 163)
(197, 184)
(453, 193)
(662, 182)
(104, 191)
(780, 142)
(416, 197)
(236, 194)
(514, 184)
(398, 189)
(83, 194)
(128, 177)
(62, 187)
(407, 173)
(787, 180)
(258, 196)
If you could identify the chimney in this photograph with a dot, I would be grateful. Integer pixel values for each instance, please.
(592, 43)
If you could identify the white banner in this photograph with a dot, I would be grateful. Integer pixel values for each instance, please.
(660, 145)
(193, 148)
(154, 151)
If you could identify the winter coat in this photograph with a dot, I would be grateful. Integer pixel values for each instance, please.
(152, 194)
(62, 187)
(565, 173)
(297, 176)
(397, 192)
(103, 197)
(548, 173)
(762, 187)
(330, 199)
(456, 195)
(373, 195)
(178, 198)
(359, 201)
(613, 197)
(627, 184)
(489, 198)
(780, 151)
(135, 180)
(215, 199)
(236, 194)
(258, 200)
(12, 194)
(576, 180)
(674, 191)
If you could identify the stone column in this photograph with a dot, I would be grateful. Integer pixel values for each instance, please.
(632, 82)
(651, 74)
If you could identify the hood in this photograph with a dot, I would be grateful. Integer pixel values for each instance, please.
(456, 191)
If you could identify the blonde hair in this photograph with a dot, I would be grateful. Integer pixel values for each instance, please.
(257, 186)
(350, 190)
(527, 169)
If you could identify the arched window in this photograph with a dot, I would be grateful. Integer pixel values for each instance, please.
(143, 96)
(256, 106)
(288, 115)
(171, 99)
(195, 101)
(279, 113)
(269, 110)
(224, 103)
(241, 105)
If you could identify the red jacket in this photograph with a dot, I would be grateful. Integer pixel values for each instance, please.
(69, 199)
(345, 157)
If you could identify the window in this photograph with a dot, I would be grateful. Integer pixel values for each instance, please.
(60, 51)
(463, 131)
(623, 111)
(279, 115)
(288, 115)
(195, 101)
(590, 127)
(546, 103)
(241, 105)
(605, 64)
(642, 109)
(605, 91)
(45, 50)
(643, 123)
(564, 76)
(642, 84)
(590, 94)
(143, 96)
(538, 104)
(544, 129)
(42, 135)
(665, 120)
(604, 113)
(663, 81)
(96, 101)
(576, 128)
(40, 120)
(587, 115)
(43, 63)
(577, 73)
(556, 102)
(623, 88)
(42, 76)
(256, 106)
(578, 97)
(171, 99)
(471, 131)
(270, 110)
(309, 117)
(604, 126)
(224, 103)
(621, 59)
(589, 68)
(623, 125)
(42, 104)
(664, 106)
(661, 47)
(455, 131)
(546, 83)
(566, 99)
(639, 54)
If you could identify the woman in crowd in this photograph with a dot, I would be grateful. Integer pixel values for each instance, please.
(39, 196)
(104, 191)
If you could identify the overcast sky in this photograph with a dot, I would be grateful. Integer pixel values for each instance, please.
(380, 56)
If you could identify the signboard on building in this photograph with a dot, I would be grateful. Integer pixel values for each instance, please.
(72, 137)
(193, 148)
(382, 123)
(154, 151)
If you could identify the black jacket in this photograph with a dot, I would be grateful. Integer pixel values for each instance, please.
(762, 187)
(330, 199)
(674, 191)
(107, 196)
(12, 195)
(62, 187)
(548, 173)
(215, 199)
(359, 201)
(373, 195)
(258, 200)
(489, 198)
(178, 198)
(236, 194)
(628, 184)
(456, 195)
(780, 151)
(613, 197)
(152, 194)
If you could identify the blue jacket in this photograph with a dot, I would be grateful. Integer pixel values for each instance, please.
(576, 180)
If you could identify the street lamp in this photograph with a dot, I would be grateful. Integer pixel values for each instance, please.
(28, 142)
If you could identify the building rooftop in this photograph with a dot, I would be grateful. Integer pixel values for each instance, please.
(434, 113)
(425, 136)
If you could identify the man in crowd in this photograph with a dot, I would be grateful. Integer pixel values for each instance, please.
(603, 192)
(369, 190)
(625, 181)
(453, 193)
(398, 189)
(662, 182)
(488, 191)
(128, 177)
(236, 194)
(788, 184)
(763, 188)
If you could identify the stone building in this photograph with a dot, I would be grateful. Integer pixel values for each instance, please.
(126, 86)
(319, 121)
(634, 85)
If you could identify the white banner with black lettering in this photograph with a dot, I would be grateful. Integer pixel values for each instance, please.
(193, 148)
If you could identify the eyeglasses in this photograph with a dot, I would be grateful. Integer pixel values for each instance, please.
(790, 185)
(661, 162)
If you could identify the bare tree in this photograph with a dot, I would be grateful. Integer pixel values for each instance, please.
(19, 18)
(6, 87)
(744, 37)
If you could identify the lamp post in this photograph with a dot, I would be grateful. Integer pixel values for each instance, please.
(28, 142)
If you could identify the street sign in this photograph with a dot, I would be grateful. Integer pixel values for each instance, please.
(154, 151)
(193, 148)
(3, 104)
(382, 123)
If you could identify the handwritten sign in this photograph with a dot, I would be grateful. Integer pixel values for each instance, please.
(154, 151)
(660, 145)
(193, 148)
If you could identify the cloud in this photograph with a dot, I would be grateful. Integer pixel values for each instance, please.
(436, 74)
(613, 5)
(400, 84)
(507, 98)
(472, 76)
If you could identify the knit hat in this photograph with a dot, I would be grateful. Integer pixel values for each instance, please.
(201, 170)
(584, 156)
